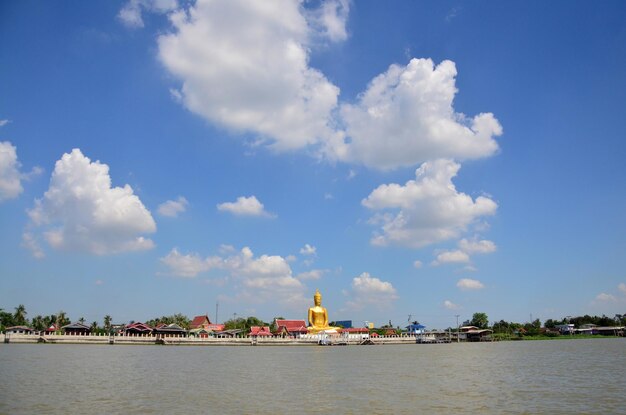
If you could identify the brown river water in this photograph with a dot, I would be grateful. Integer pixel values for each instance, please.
(526, 377)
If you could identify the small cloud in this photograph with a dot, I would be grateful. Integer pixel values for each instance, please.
(290, 258)
(622, 287)
(605, 298)
(477, 247)
(29, 241)
(448, 257)
(417, 264)
(245, 206)
(469, 284)
(172, 208)
(450, 305)
(351, 174)
(4, 122)
(308, 250)
(314, 274)
(226, 249)
(454, 12)
(99, 282)
(328, 196)
(131, 14)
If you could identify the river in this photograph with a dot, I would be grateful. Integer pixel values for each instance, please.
(537, 377)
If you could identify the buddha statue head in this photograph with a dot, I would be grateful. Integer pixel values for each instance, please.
(317, 298)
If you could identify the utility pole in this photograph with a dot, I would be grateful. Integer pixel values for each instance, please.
(457, 327)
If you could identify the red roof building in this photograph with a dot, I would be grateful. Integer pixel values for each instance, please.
(200, 322)
(137, 328)
(290, 327)
(260, 331)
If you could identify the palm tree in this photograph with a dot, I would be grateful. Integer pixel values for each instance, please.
(81, 320)
(62, 319)
(107, 323)
(20, 315)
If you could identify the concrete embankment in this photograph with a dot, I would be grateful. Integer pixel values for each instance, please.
(191, 341)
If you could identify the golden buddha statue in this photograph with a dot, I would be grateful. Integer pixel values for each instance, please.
(318, 317)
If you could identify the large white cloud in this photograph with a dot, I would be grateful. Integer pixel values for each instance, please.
(245, 66)
(80, 211)
(10, 177)
(426, 210)
(267, 278)
(371, 291)
(406, 117)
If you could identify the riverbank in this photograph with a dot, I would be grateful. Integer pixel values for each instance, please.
(311, 340)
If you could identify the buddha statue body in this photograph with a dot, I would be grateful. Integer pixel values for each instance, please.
(318, 317)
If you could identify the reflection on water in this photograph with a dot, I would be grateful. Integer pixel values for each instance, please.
(551, 377)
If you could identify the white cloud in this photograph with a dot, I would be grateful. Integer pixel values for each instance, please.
(172, 208)
(30, 242)
(622, 287)
(405, 117)
(469, 284)
(314, 274)
(429, 208)
(308, 250)
(245, 66)
(450, 305)
(10, 177)
(4, 122)
(603, 297)
(267, 278)
(189, 265)
(455, 257)
(131, 13)
(331, 19)
(245, 206)
(417, 264)
(368, 290)
(80, 211)
(477, 247)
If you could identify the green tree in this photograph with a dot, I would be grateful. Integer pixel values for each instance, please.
(107, 323)
(19, 317)
(6, 319)
(39, 323)
(94, 327)
(480, 320)
(62, 319)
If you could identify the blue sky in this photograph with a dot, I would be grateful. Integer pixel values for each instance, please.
(422, 158)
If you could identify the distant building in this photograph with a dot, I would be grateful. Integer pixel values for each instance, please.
(565, 328)
(137, 329)
(256, 331)
(292, 328)
(415, 328)
(18, 330)
(169, 330)
(76, 329)
(200, 322)
(346, 324)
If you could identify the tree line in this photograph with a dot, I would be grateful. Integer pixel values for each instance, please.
(19, 318)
